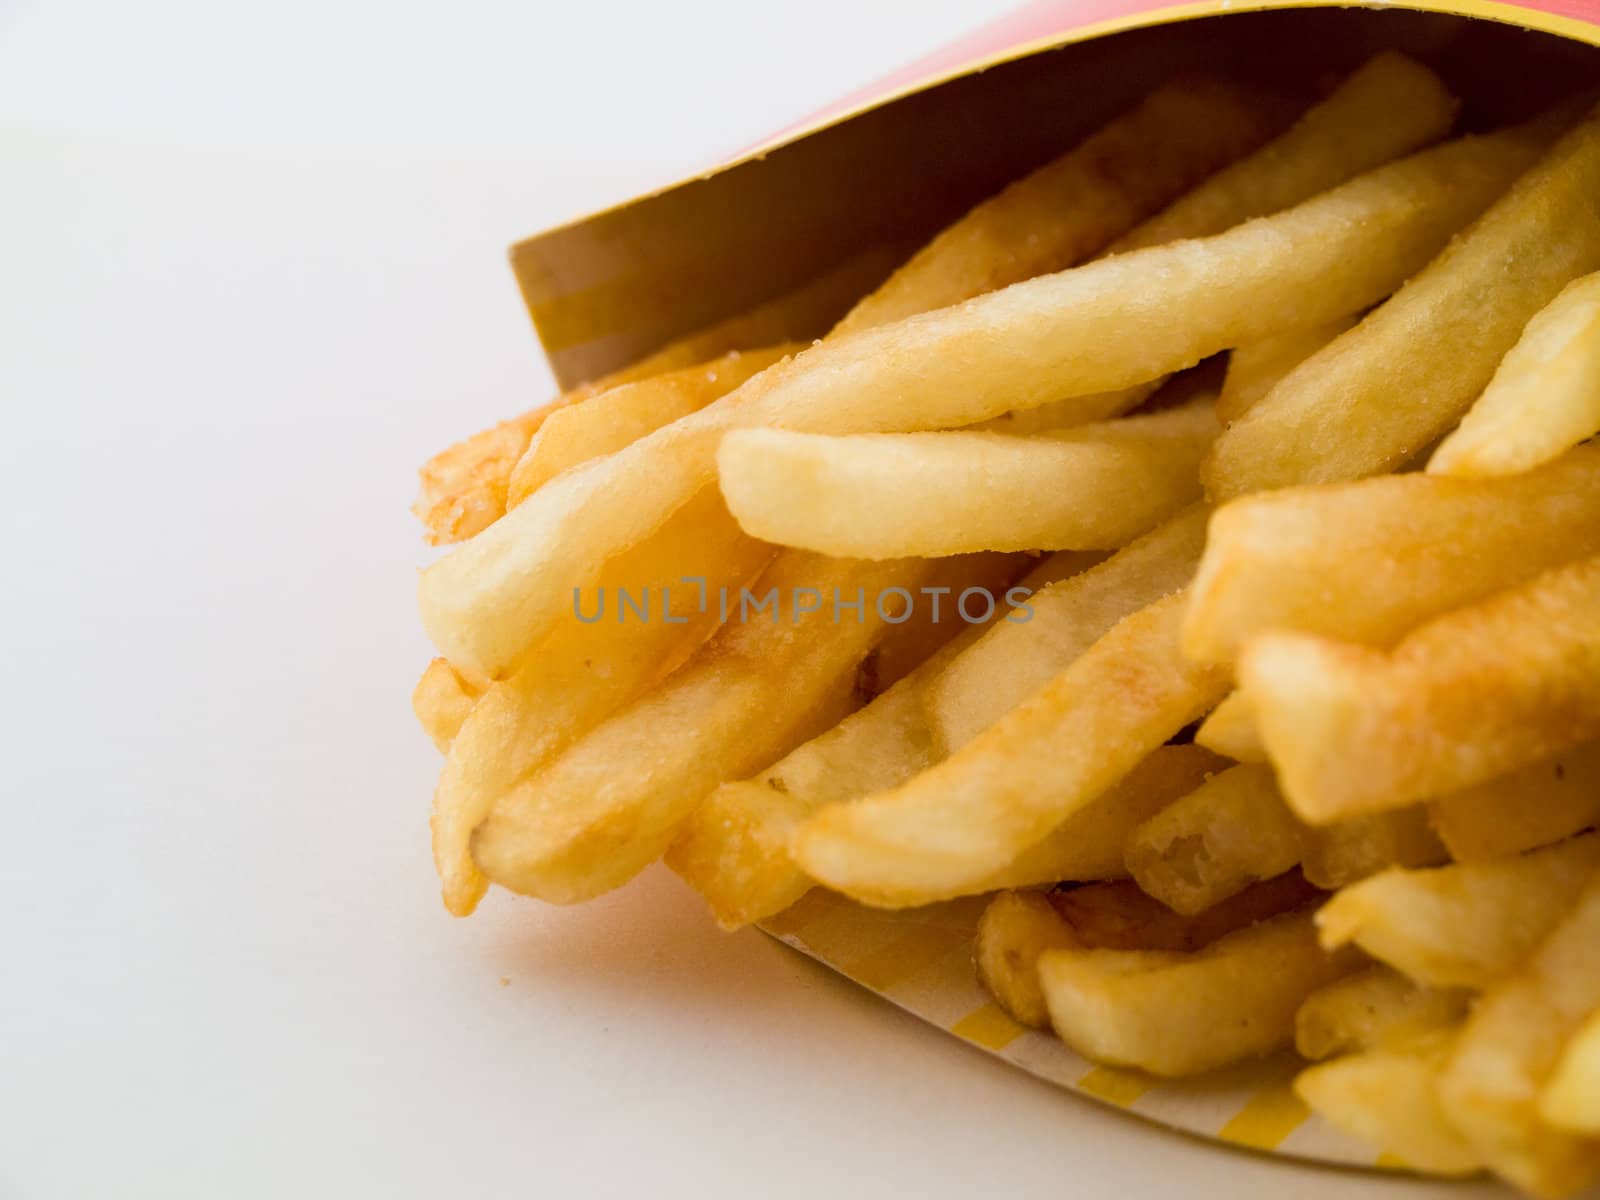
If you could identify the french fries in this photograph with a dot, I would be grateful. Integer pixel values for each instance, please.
(1463, 925)
(1533, 807)
(1471, 695)
(1230, 730)
(1377, 1008)
(1342, 854)
(1510, 1047)
(1389, 1098)
(1255, 370)
(1571, 1100)
(1544, 397)
(1369, 561)
(1094, 487)
(443, 699)
(1071, 207)
(465, 488)
(969, 816)
(1175, 1014)
(618, 416)
(1436, 342)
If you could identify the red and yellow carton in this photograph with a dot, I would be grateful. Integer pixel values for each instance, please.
(891, 164)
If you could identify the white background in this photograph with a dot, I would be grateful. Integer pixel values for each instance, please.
(251, 273)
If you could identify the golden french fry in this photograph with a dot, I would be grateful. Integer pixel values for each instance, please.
(1230, 730)
(1073, 206)
(1370, 560)
(1017, 927)
(443, 699)
(1464, 925)
(1094, 487)
(465, 488)
(607, 806)
(1174, 1014)
(1014, 659)
(1544, 397)
(1256, 369)
(1377, 1008)
(733, 849)
(1510, 1048)
(1388, 1098)
(1342, 853)
(1533, 807)
(1571, 1100)
(1390, 106)
(581, 674)
(1473, 694)
(1436, 342)
(612, 419)
(1231, 831)
(967, 818)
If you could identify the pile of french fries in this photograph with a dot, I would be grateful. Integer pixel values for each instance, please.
(1284, 729)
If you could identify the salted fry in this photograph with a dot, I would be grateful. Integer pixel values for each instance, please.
(1511, 1046)
(1017, 927)
(1373, 1009)
(1388, 107)
(1231, 831)
(1073, 206)
(1174, 1014)
(1571, 1100)
(443, 699)
(1436, 342)
(1533, 807)
(1256, 369)
(1463, 925)
(1473, 694)
(465, 488)
(734, 848)
(611, 419)
(1340, 854)
(968, 817)
(1230, 730)
(1369, 561)
(1015, 659)
(610, 804)
(581, 674)
(1095, 487)
(1544, 397)
(1389, 1098)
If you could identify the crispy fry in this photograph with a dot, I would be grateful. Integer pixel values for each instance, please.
(1436, 342)
(733, 849)
(1368, 561)
(970, 816)
(1509, 1049)
(1377, 1008)
(1094, 487)
(1388, 1098)
(1071, 207)
(613, 418)
(1015, 659)
(443, 699)
(1174, 1014)
(1230, 832)
(1255, 370)
(580, 675)
(465, 488)
(1387, 108)
(1571, 1100)
(1533, 807)
(1348, 851)
(1017, 927)
(610, 804)
(1230, 730)
(1463, 925)
(1473, 694)
(1544, 397)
